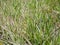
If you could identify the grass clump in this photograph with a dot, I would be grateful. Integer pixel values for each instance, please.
(29, 22)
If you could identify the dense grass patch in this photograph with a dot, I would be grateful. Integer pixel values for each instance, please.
(29, 22)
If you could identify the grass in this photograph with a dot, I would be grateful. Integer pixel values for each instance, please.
(29, 22)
